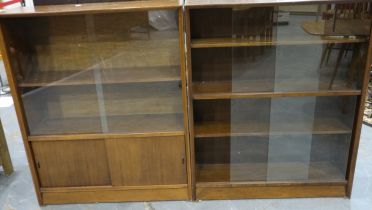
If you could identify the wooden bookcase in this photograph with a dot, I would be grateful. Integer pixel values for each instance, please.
(147, 100)
(276, 95)
(100, 94)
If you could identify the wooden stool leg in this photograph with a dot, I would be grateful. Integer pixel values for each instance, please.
(4, 153)
(338, 62)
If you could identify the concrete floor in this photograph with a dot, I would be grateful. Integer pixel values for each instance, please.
(17, 192)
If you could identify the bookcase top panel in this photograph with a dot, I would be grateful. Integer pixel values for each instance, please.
(221, 3)
(90, 8)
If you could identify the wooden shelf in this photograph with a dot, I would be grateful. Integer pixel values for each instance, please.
(130, 124)
(264, 88)
(90, 8)
(234, 42)
(107, 76)
(318, 171)
(258, 128)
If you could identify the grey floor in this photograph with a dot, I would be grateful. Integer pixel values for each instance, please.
(17, 192)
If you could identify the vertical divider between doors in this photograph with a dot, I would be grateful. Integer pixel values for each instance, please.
(186, 35)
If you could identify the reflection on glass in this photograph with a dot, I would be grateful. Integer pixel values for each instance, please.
(279, 49)
(101, 73)
(275, 88)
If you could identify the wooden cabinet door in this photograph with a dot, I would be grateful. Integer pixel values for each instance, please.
(72, 163)
(147, 161)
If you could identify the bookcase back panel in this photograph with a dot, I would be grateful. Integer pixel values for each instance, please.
(231, 159)
(212, 23)
(74, 43)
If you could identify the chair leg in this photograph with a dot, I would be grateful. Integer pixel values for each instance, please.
(326, 54)
(338, 62)
(354, 64)
(4, 153)
(329, 52)
(325, 51)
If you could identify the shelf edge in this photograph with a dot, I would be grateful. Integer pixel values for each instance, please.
(201, 136)
(274, 183)
(221, 43)
(211, 96)
(71, 137)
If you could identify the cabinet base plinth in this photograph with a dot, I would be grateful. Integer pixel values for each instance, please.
(246, 192)
(113, 194)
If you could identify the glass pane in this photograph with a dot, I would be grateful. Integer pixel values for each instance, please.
(101, 73)
(278, 139)
(319, 47)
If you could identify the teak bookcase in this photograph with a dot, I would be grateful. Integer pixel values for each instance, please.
(276, 95)
(147, 100)
(100, 94)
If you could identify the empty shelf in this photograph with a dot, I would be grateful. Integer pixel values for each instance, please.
(317, 171)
